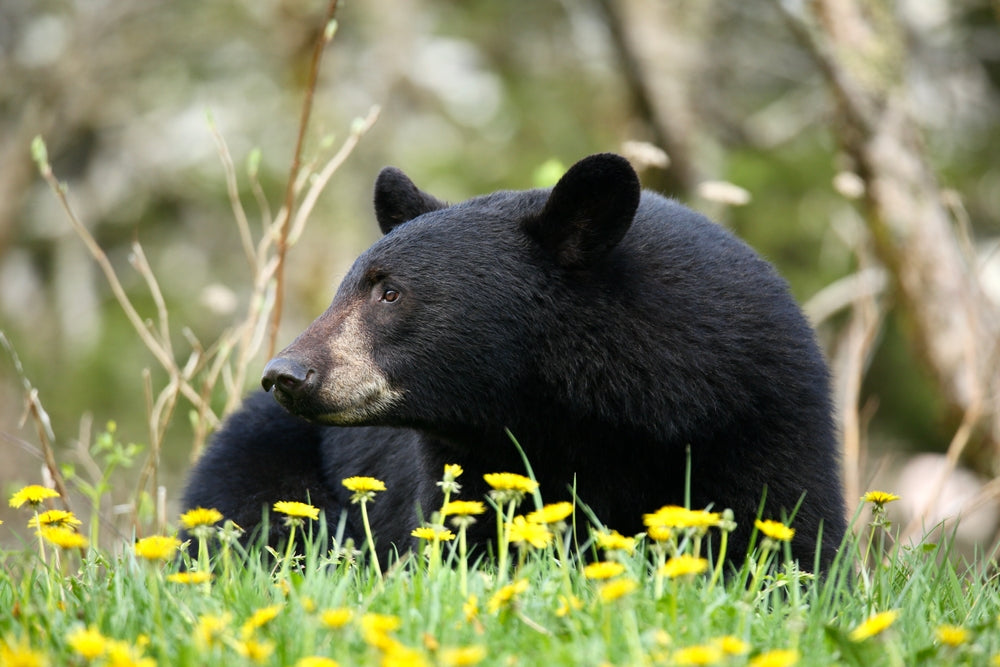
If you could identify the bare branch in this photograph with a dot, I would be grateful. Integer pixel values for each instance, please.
(325, 36)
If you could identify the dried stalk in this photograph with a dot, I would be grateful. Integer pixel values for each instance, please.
(285, 216)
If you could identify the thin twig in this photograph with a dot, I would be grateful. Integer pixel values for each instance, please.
(141, 264)
(33, 406)
(317, 185)
(232, 188)
(285, 216)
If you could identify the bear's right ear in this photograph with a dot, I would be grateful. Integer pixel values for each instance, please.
(589, 210)
(398, 200)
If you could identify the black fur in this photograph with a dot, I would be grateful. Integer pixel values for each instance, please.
(610, 332)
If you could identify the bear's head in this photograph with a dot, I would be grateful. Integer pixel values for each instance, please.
(438, 325)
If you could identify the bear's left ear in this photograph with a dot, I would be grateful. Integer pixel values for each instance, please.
(589, 211)
(398, 200)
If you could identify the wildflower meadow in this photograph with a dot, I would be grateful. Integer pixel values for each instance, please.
(560, 589)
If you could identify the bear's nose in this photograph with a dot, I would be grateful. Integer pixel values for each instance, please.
(286, 375)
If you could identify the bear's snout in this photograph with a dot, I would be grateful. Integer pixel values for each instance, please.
(289, 378)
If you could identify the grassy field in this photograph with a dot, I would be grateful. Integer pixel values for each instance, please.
(652, 599)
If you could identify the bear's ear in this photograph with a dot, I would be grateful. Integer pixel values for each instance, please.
(398, 200)
(589, 210)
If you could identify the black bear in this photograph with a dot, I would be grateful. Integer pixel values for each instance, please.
(617, 334)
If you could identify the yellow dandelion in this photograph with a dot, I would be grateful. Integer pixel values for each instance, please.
(192, 577)
(316, 661)
(255, 650)
(505, 595)
(463, 508)
(952, 635)
(522, 530)
(731, 645)
(199, 516)
(210, 629)
(398, 655)
(874, 625)
(156, 547)
(775, 530)
(372, 622)
(363, 484)
(617, 588)
(21, 656)
(431, 533)
(554, 513)
(33, 494)
(64, 538)
(452, 471)
(260, 617)
(375, 629)
(296, 510)
(122, 654)
(879, 498)
(660, 533)
(673, 516)
(784, 657)
(87, 642)
(509, 481)
(363, 489)
(463, 656)
(614, 541)
(603, 570)
(470, 608)
(54, 518)
(702, 654)
(683, 565)
(336, 618)
(568, 604)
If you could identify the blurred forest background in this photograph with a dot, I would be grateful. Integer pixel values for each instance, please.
(854, 143)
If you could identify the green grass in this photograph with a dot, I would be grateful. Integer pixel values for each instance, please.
(269, 608)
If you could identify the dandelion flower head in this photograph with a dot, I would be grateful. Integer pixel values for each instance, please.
(782, 657)
(54, 518)
(775, 530)
(874, 625)
(431, 533)
(509, 481)
(87, 642)
(156, 547)
(701, 654)
(463, 656)
(463, 508)
(879, 497)
(363, 484)
(192, 577)
(952, 635)
(522, 530)
(296, 510)
(673, 516)
(33, 494)
(603, 570)
(505, 595)
(618, 588)
(553, 513)
(336, 618)
(683, 565)
(614, 541)
(199, 516)
(64, 538)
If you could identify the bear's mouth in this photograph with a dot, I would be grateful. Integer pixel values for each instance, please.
(365, 406)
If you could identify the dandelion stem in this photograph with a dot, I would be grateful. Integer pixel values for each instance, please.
(368, 536)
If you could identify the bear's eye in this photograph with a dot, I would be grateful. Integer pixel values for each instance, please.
(389, 295)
